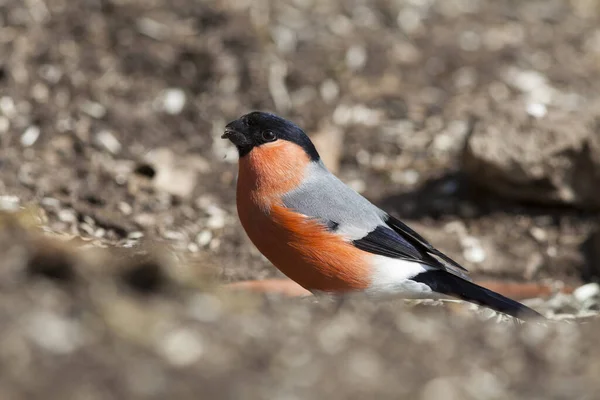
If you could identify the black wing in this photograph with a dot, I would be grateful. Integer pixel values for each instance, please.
(396, 240)
(386, 242)
(402, 229)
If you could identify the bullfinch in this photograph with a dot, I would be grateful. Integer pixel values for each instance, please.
(327, 237)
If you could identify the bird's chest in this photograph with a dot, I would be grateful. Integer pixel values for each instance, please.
(267, 227)
(258, 223)
(300, 247)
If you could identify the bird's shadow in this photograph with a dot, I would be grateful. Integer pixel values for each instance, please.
(454, 196)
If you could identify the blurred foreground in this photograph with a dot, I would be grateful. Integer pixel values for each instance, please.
(79, 322)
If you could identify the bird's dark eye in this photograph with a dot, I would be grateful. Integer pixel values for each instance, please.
(268, 136)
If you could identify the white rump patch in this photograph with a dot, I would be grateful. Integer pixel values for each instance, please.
(392, 276)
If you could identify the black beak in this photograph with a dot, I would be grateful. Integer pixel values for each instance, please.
(228, 133)
(234, 131)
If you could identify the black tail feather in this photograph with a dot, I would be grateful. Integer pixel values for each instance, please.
(446, 283)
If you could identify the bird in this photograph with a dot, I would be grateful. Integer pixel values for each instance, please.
(327, 237)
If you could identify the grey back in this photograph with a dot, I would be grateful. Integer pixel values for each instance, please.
(322, 195)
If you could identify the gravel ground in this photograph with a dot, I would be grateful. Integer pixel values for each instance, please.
(112, 271)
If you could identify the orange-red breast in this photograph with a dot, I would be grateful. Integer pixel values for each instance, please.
(327, 237)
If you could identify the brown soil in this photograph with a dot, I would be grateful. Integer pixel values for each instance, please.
(114, 166)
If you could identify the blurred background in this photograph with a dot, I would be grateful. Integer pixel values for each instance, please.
(475, 121)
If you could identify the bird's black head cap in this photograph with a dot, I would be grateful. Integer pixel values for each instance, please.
(257, 128)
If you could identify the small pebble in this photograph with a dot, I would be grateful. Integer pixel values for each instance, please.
(89, 220)
(30, 136)
(203, 238)
(7, 106)
(358, 114)
(152, 28)
(172, 174)
(285, 39)
(173, 100)
(329, 91)
(472, 250)
(145, 219)
(561, 303)
(40, 92)
(50, 202)
(93, 109)
(87, 229)
(409, 20)
(537, 110)
(67, 215)
(356, 57)
(54, 333)
(9, 203)
(586, 292)
(108, 141)
(409, 177)
(50, 73)
(538, 234)
(216, 218)
(173, 235)
(378, 161)
(125, 208)
(181, 347)
(363, 157)
(443, 143)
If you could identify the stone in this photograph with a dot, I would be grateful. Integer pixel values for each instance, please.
(551, 160)
(9, 203)
(174, 174)
(30, 136)
(107, 140)
(173, 101)
(586, 292)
